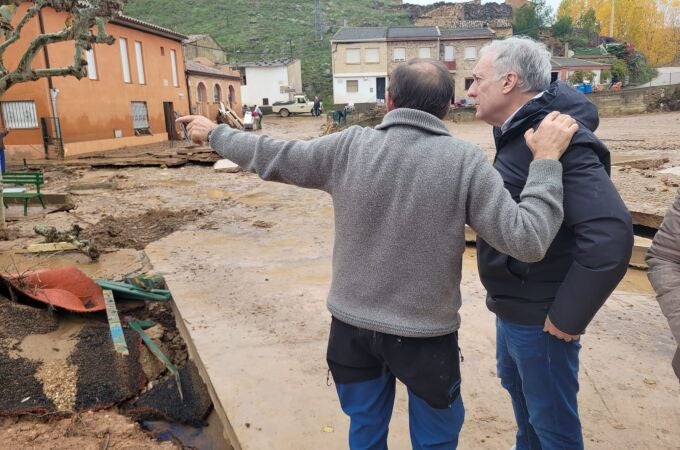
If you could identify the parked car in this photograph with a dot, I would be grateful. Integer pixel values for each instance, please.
(299, 105)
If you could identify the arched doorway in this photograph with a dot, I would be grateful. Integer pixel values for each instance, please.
(217, 93)
(232, 97)
(201, 99)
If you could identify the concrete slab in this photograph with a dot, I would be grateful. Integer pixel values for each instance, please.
(251, 303)
(671, 170)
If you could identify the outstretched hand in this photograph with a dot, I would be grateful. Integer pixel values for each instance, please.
(552, 137)
(198, 127)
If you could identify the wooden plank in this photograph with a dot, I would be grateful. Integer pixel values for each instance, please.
(116, 328)
(50, 247)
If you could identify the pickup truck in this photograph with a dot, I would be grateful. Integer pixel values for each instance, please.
(299, 105)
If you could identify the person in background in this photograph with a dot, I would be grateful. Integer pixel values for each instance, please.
(317, 107)
(3, 133)
(259, 116)
(663, 259)
(256, 117)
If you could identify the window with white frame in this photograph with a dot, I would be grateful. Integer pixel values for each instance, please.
(91, 65)
(470, 52)
(425, 52)
(353, 56)
(173, 62)
(449, 53)
(19, 114)
(140, 63)
(352, 86)
(125, 60)
(140, 118)
(372, 55)
(399, 54)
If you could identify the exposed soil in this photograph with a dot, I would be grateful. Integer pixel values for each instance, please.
(137, 231)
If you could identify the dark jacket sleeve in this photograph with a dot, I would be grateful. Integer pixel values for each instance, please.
(663, 260)
(603, 234)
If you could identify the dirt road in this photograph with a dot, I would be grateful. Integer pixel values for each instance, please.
(629, 396)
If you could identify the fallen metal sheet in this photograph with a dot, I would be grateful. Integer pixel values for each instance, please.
(129, 291)
(64, 287)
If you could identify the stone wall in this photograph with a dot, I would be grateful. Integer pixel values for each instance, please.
(630, 101)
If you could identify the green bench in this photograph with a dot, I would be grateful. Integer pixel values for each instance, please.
(22, 179)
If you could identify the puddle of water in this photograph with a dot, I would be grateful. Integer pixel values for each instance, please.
(216, 194)
(173, 182)
(210, 437)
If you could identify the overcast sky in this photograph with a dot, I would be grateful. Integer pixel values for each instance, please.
(553, 3)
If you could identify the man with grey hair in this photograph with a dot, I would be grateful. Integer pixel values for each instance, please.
(402, 193)
(543, 307)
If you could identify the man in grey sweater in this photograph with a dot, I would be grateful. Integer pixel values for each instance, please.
(402, 194)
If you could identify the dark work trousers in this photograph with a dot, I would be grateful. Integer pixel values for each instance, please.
(365, 365)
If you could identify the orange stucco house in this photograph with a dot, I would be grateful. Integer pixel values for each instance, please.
(128, 97)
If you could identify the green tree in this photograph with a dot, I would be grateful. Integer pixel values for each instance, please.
(530, 18)
(562, 27)
(589, 25)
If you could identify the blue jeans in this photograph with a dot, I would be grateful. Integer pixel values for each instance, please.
(369, 405)
(541, 374)
(2, 160)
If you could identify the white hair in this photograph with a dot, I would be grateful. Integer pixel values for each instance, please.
(528, 58)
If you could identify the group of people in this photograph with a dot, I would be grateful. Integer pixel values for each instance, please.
(256, 115)
(554, 240)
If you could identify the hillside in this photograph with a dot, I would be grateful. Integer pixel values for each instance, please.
(266, 29)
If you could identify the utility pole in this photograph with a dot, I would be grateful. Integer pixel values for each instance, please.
(611, 22)
(318, 21)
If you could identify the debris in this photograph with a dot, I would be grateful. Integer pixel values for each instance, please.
(163, 401)
(226, 166)
(64, 287)
(138, 327)
(129, 291)
(147, 281)
(228, 116)
(105, 377)
(73, 236)
(263, 224)
(114, 324)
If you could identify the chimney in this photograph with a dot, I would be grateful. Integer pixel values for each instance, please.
(566, 49)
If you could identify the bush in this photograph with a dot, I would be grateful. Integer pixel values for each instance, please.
(580, 76)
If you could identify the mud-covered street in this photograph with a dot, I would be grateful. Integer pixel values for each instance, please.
(628, 396)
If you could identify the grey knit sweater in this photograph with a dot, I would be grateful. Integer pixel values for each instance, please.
(402, 194)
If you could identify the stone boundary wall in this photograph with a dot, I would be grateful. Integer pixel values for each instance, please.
(630, 101)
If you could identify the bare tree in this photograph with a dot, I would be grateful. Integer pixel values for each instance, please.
(84, 26)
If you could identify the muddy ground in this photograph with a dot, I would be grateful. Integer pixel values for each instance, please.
(123, 209)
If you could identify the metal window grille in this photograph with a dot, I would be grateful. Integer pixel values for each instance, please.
(19, 114)
(140, 115)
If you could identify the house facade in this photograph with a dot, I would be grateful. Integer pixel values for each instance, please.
(359, 60)
(459, 50)
(361, 75)
(204, 46)
(563, 68)
(266, 82)
(127, 98)
(210, 85)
